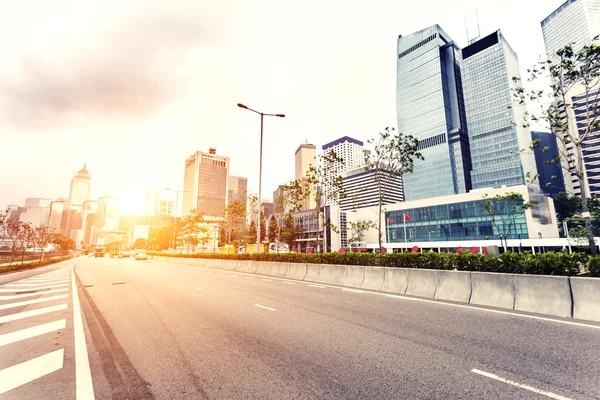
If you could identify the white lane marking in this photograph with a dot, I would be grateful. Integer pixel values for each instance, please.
(32, 313)
(40, 283)
(488, 310)
(266, 308)
(352, 290)
(20, 296)
(317, 286)
(28, 371)
(520, 385)
(34, 331)
(83, 374)
(268, 280)
(288, 283)
(35, 301)
(197, 288)
(44, 279)
(16, 289)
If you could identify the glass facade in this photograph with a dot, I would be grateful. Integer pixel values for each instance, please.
(457, 221)
(495, 130)
(430, 107)
(549, 169)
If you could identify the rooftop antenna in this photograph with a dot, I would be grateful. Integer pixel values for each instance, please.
(467, 29)
(478, 34)
(477, 17)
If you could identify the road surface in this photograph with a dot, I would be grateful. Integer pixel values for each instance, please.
(169, 331)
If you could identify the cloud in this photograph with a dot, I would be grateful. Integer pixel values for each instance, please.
(131, 70)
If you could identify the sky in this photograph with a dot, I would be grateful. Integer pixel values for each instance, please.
(133, 88)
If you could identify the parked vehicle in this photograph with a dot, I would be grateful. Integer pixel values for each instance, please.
(140, 256)
(99, 252)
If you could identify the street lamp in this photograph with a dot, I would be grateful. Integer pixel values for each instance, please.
(430, 232)
(260, 167)
(175, 213)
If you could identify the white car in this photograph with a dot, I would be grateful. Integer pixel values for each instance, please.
(140, 256)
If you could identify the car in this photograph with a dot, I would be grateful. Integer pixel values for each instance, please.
(125, 254)
(140, 256)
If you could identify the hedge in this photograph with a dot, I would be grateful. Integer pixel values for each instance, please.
(31, 265)
(563, 264)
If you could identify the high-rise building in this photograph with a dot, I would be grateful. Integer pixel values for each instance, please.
(306, 155)
(56, 212)
(80, 187)
(108, 213)
(548, 164)
(351, 154)
(37, 211)
(160, 202)
(495, 124)
(238, 189)
(205, 183)
(361, 190)
(430, 107)
(575, 21)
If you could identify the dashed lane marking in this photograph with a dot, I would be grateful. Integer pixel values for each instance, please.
(352, 290)
(266, 308)
(34, 331)
(317, 286)
(520, 385)
(288, 283)
(28, 371)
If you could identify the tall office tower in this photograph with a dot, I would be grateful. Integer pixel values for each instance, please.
(549, 169)
(80, 188)
(575, 21)
(494, 121)
(37, 211)
(205, 183)
(352, 155)
(306, 155)
(430, 107)
(238, 191)
(56, 211)
(578, 22)
(361, 190)
(90, 219)
(160, 202)
(109, 213)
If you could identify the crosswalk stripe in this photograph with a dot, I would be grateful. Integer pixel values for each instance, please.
(14, 289)
(32, 313)
(38, 281)
(35, 301)
(34, 284)
(20, 296)
(34, 331)
(28, 371)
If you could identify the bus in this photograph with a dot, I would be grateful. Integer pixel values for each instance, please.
(99, 251)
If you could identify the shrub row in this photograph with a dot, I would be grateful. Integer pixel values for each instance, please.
(32, 265)
(515, 263)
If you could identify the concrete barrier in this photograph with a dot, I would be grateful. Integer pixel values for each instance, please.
(296, 271)
(355, 276)
(549, 295)
(252, 266)
(264, 268)
(586, 298)
(332, 274)
(279, 269)
(312, 272)
(421, 282)
(374, 278)
(395, 280)
(453, 285)
(493, 289)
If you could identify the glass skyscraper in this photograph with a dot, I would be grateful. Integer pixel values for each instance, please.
(575, 21)
(495, 123)
(430, 107)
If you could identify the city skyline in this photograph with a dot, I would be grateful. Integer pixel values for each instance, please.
(152, 133)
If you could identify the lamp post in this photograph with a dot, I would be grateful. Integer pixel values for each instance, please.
(175, 214)
(260, 167)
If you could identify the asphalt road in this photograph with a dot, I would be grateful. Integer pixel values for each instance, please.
(171, 331)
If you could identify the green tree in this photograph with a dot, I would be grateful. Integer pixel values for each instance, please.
(358, 229)
(160, 238)
(287, 202)
(573, 73)
(323, 185)
(252, 232)
(394, 155)
(273, 229)
(566, 205)
(140, 243)
(504, 210)
(42, 235)
(194, 230)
